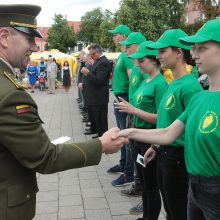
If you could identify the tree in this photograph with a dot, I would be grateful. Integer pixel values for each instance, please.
(210, 8)
(90, 26)
(150, 17)
(60, 35)
(105, 36)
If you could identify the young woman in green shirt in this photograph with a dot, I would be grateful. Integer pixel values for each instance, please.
(202, 129)
(171, 172)
(144, 106)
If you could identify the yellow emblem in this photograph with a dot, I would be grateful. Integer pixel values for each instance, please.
(139, 98)
(170, 102)
(134, 80)
(209, 122)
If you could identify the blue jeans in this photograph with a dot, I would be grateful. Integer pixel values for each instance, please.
(126, 161)
(204, 198)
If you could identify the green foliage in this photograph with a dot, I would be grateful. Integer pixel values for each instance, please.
(105, 37)
(60, 35)
(150, 17)
(90, 26)
(193, 28)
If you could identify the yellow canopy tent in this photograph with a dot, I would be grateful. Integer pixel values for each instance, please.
(59, 56)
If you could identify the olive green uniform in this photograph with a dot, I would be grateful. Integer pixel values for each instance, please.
(26, 149)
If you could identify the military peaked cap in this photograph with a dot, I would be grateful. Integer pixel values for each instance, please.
(21, 17)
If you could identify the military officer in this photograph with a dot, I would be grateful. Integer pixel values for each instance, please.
(24, 146)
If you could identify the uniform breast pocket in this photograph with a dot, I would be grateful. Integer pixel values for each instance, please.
(21, 202)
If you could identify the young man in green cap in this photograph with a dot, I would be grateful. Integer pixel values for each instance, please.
(121, 76)
(24, 146)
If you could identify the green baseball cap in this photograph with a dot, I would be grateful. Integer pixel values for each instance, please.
(134, 38)
(21, 17)
(143, 51)
(170, 38)
(209, 31)
(121, 29)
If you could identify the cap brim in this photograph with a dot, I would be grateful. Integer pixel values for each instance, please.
(156, 45)
(137, 55)
(193, 39)
(144, 54)
(29, 31)
(112, 31)
(125, 43)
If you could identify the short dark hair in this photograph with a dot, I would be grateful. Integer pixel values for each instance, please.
(96, 47)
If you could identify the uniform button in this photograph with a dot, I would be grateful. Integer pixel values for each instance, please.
(28, 196)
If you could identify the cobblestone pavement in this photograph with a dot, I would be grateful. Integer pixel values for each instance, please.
(85, 193)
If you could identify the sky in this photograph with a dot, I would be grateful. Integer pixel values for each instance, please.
(73, 9)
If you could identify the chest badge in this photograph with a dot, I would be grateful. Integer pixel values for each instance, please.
(139, 98)
(134, 80)
(170, 103)
(209, 122)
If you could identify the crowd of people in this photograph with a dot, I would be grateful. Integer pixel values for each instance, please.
(152, 112)
(45, 75)
(172, 126)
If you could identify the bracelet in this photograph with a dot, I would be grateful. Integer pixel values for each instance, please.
(155, 147)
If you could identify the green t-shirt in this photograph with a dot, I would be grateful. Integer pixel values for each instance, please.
(202, 134)
(195, 72)
(120, 76)
(135, 80)
(175, 101)
(148, 97)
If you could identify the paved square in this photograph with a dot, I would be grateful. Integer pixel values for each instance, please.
(85, 193)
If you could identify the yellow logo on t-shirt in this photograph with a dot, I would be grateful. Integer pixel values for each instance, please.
(170, 102)
(139, 98)
(209, 122)
(134, 80)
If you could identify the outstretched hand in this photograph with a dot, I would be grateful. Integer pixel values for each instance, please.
(111, 141)
(124, 106)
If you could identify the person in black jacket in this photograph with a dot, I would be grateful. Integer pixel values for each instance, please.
(98, 88)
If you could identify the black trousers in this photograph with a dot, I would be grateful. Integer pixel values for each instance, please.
(173, 181)
(148, 178)
(204, 198)
(99, 118)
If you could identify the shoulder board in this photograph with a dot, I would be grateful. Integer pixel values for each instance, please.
(11, 77)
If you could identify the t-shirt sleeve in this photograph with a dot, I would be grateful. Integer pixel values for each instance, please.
(129, 63)
(183, 116)
(190, 91)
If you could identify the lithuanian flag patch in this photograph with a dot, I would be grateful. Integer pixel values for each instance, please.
(23, 108)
